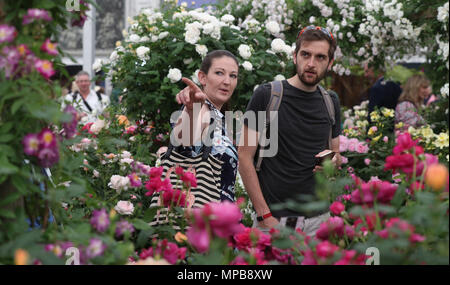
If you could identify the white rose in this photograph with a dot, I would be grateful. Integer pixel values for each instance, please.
(125, 154)
(227, 18)
(163, 35)
(192, 36)
(134, 38)
(244, 51)
(208, 28)
(247, 66)
(278, 45)
(124, 208)
(142, 52)
(312, 19)
(96, 173)
(201, 49)
(114, 56)
(119, 183)
(174, 75)
(97, 66)
(194, 77)
(279, 77)
(144, 39)
(97, 126)
(273, 27)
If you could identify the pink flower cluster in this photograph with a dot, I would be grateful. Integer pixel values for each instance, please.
(214, 219)
(334, 226)
(167, 250)
(44, 146)
(368, 193)
(7, 33)
(170, 197)
(352, 145)
(405, 156)
(33, 15)
(325, 250)
(187, 177)
(395, 225)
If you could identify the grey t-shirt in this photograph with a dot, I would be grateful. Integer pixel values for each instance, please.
(303, 131)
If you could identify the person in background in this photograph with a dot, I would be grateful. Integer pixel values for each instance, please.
(383, 93)
(415, 90)
(88, 103)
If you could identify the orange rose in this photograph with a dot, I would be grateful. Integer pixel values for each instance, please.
(180, 238)
(436, 176)
(21, 257)
(123, 120)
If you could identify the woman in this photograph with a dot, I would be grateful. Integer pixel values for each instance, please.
(415, 90)
(218, 77)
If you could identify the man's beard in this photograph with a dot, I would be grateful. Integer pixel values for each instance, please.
(315, 82)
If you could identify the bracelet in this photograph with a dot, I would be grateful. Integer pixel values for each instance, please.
(263, 217)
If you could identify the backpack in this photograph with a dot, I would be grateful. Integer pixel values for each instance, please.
(274, 104)
(74, 97)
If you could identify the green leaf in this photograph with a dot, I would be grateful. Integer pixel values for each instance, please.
(6, 138)
(6, 167)
(10, 199)
(7, 214)
(140, 224)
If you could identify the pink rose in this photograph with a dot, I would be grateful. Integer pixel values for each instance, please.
(124, 208)
(326, 249)
(337, 208)
(367, 161)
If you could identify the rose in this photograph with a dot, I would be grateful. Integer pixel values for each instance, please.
(134, 38)
(227, 18)
(278, 45)
(174, 75)
(202, 50)
(245, 51)
(124, 208)
(119, 183)
(142, 52)
(97, 126)
(273, 27)
(247, 66)
(337, 208)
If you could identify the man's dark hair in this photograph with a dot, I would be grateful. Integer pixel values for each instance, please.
(207, 61)
(316, 35)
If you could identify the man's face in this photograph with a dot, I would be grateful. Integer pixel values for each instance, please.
(83, 83)
(312, 62)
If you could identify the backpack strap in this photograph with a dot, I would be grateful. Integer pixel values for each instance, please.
(99, 96)
(274, 104)
(331, 112)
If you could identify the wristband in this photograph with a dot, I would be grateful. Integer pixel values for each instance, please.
(263, 217)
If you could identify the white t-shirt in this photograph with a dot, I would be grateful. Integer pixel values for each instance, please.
(92, 99)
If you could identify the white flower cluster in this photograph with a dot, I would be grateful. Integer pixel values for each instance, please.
(274, 11)
(279, 46)
(443, 14)
(341, 70)
(325, 11)
(444, 90)
(202, 22)
(396, 31)
(443, 49)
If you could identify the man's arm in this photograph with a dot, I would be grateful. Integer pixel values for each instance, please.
(246, 154)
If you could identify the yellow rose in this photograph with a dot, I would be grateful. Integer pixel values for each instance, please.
(374, 116)
(388, 113)
(441, 140)
(399, 125)
(375, 139)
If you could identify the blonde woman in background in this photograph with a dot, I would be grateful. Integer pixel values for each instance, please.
(410, 102)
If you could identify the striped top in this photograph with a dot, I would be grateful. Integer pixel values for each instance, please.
(222, 149)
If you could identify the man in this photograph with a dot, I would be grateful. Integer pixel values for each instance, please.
(303, 132)
(88, 103)
(383, 93)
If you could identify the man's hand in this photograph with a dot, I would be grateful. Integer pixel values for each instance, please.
(268, 223)
(335, 160)
(190, 95)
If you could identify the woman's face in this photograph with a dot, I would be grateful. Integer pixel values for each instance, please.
(424, 91)
(220, 81)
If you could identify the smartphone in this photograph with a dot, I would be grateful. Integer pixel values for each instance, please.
(324, 156)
